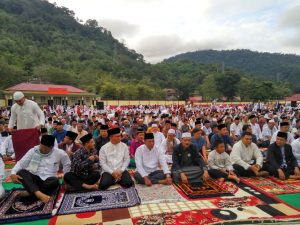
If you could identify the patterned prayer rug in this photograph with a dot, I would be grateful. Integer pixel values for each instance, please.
(98, 200)
(16, 209)
(208, 189)
(270, 186)
(288, 181)
(158, 193)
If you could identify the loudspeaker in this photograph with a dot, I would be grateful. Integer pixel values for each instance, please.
(100, 105)
(293, 104)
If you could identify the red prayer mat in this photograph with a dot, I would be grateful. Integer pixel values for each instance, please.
(23, 140)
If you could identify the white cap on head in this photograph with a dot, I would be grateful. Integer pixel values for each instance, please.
(271, 121)
(171, 131)
(18, 95)
(186, 135)
(154, 125)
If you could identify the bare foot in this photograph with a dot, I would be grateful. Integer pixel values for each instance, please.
(295, 177)
(235, 178)
(90, 186)
(23, 194)
(43, 197)
(164, 182)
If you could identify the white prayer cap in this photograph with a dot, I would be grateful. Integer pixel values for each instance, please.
(18, 95)
(214, 120)
(186, 135)
(171, 131)
(271, 121)
(154, 125)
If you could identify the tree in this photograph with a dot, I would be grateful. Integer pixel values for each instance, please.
(227, 84)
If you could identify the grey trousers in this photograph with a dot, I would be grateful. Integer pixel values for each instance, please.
(193, 173)
(155, 177)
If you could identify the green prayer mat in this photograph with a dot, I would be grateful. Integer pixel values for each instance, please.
(11, 185)
(35, 222)
(292, 199)
(9, 166)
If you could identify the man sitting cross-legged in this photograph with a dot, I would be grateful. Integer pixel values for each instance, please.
(114, 159)
(188, 166)
(148, 158)
(83, 175)
(219, 164)
(247, 159)
(281, 162)
(37, 170)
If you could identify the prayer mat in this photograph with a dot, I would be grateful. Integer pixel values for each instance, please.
(288, 181)
(205, 190)
(16, 209)
(184, 218)
(268, 185)
(23, 140)
(237, 202)
(158, 193)
(291, 199)
(98, 200)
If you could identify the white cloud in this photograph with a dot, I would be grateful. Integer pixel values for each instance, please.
(162, 28)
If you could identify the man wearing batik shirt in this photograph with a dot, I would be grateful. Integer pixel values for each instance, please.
(114, 159)
(69, 145)
(84, 174)
(148, 160)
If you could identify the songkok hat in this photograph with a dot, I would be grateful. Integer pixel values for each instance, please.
(114, 131)
(72, 135)
(237, 118)
(104, 127)
(171, 131)
(140, 130)
(48, 140)
(149, 136)
(167, 121)
(283, 124)
(173, 124)
(197, 122)
(221, 126)
(86, 138)
(282, 134)
(18, 95)
(206, 121)
(44, 130)
(252, 116)
(186, 135)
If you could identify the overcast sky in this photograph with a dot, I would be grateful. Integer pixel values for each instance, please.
(159, 29)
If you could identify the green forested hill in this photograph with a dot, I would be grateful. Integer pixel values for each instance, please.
(276, 67)
(43, 42)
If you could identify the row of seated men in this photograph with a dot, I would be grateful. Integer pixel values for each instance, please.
(84, 169)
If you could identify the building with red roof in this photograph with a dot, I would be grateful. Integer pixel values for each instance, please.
(51, 94)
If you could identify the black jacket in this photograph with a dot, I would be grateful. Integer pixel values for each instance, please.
(275, 159)
(195, 156)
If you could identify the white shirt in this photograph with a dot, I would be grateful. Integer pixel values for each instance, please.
(207, 130)
(290, 137)
(245, 155)
(148, 161)
(256, 130)
(48, 166)
(164, 147)
(158, 138)
(27, 116)
(7, 148)
(114, 157)
(296, 150)
(236, 128)
(219, 161)
(267, 132)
